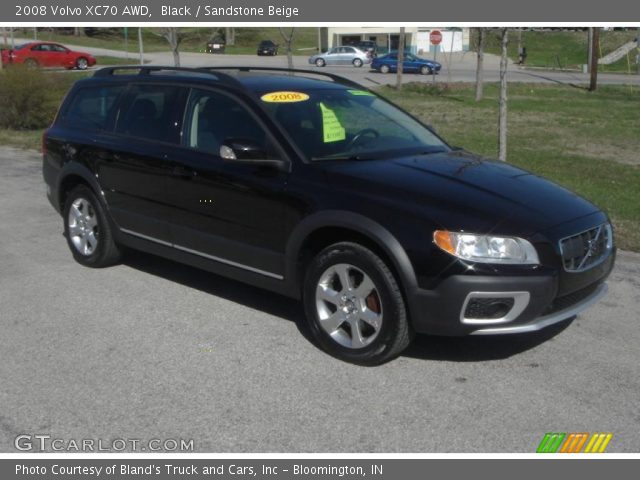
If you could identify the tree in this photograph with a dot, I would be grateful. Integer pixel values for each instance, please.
(480, 65)
(174, 37)
(502, 124)
(140, 46)
(400, 59)
(230, 36)
(288, 40)
(595, 40)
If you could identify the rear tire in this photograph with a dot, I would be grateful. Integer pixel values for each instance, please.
(363, 322)
(384, 69)
(320, 63)
(88, 230)
(357, 62)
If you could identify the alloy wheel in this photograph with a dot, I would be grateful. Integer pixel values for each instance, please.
(83, 226)
(348, 306)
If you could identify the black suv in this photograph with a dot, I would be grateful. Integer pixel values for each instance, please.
(267, 47)
(311, 186)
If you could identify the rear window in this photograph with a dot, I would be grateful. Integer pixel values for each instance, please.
(150, 112)
(92, 108)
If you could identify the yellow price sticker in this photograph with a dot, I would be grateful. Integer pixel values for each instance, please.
(332, 129)
(284, 97)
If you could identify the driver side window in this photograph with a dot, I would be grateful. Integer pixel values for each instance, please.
(214, 119)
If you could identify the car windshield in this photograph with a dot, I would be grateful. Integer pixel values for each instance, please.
(353, 124)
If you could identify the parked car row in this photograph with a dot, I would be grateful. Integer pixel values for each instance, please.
(351, 55)
(47, 54)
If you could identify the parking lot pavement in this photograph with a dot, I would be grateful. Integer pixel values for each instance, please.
(152, 349)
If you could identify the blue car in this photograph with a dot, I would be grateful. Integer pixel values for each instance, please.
(389, 63)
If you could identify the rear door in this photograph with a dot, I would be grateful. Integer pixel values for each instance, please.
(133, 165)
(225, 211)
(40, 53)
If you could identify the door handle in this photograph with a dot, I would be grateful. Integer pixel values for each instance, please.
(180, 171)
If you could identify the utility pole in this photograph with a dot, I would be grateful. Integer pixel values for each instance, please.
(401, 60)
(595, 38)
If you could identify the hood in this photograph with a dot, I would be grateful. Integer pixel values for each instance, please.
(459, 191)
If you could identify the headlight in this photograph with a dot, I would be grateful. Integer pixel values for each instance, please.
(486, 248)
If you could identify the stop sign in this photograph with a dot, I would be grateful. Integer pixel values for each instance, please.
(435, 37)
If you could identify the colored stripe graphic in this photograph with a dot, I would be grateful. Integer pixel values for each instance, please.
(550, 442)
(574, 443)
(555, 442)
(598, 443)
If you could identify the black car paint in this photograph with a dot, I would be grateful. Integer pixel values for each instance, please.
(260, 218)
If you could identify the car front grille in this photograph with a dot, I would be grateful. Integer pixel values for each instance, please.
(587, 249)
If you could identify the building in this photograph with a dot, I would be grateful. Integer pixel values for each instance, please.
(387, 38)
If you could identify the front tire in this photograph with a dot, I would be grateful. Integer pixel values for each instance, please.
(30, 63)
(320, 63)
(424, 70)
(88, 230)
(384, 69)
(82, 63)
(354, 306)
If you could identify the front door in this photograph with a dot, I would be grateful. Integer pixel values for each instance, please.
(228, 212)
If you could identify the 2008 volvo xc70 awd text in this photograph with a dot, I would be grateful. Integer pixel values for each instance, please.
(311, 186)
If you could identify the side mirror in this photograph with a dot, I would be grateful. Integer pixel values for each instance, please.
(242, 150)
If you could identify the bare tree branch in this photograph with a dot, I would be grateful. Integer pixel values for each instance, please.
(288, 40)
(174, 37)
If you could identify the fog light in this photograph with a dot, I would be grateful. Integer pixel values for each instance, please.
(488, 308)
(493, 307)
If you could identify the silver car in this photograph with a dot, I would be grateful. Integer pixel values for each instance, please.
(341, 56)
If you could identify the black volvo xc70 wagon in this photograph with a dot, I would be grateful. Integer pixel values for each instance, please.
(311, 186)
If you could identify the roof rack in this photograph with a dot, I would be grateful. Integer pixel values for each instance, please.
(335, 78)
(147, 70)
(218, 72)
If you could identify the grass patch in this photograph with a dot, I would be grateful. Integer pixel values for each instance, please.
(26, 139)
(585, 141)
(565, 49)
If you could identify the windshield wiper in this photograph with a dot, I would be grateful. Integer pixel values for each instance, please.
(343, 158)
(430, 152)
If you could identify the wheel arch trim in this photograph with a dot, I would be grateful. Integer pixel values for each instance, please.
(78, 170)
(375, 232)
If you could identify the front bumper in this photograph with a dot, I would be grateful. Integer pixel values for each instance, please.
(537, 301)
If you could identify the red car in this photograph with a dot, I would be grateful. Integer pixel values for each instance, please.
(47, 54)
